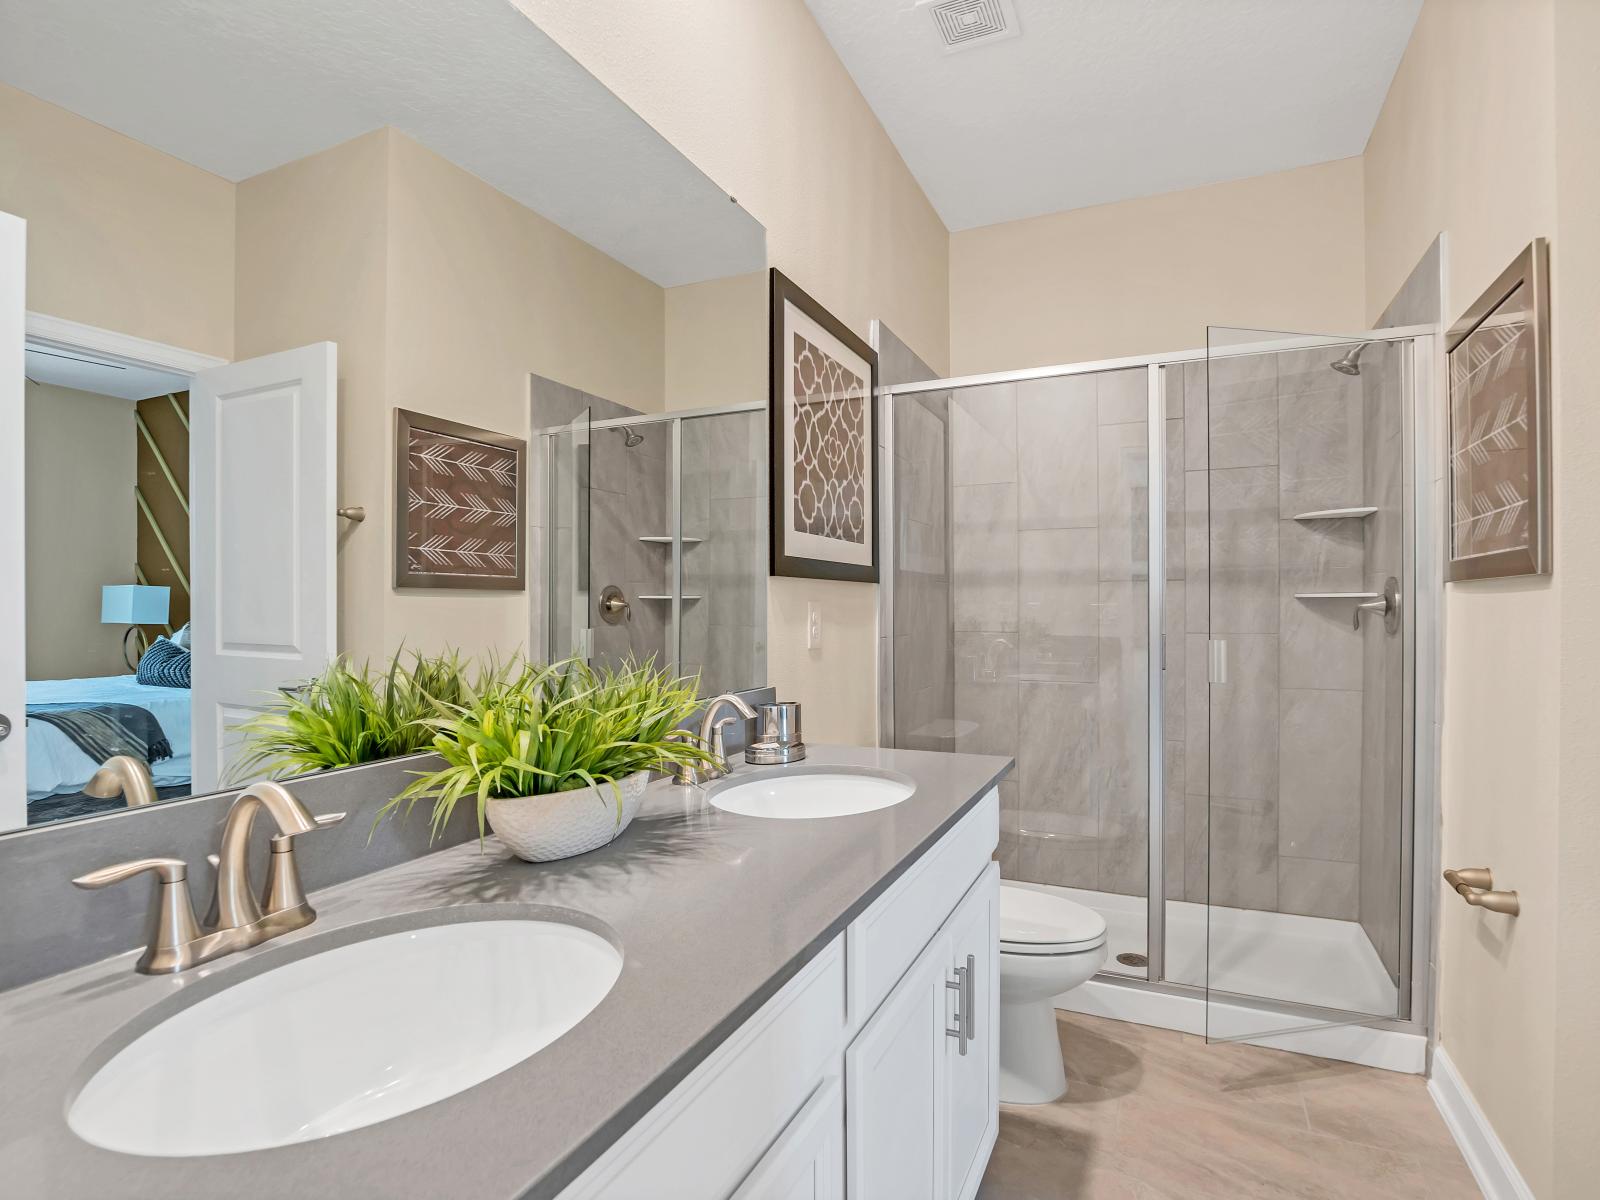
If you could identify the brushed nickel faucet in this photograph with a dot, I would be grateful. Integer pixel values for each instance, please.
(689, 775)
(177, 941)
(711, 730)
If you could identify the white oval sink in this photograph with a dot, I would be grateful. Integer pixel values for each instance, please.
(346, 1038)
(815, 794)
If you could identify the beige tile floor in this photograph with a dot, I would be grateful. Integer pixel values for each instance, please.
(1155, 1115)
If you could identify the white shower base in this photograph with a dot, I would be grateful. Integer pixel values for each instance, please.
(1269, 956)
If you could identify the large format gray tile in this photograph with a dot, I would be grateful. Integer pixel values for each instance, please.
(984, 554)
(1123, 396)
(1124, 482)
(1244, 721)
(1243, 409)
(1197, 713)
(1175, 486)
(1244, 550)
(983, 435)
(1243, 858)
(1319, 444)
(1056, 756)
(1319, 774)
(1057, 453)
(1313, 887)
(1060, 603)
(985, 656)
(1320, 647)
(1196, 418)
(1123, 764)
(1197, 550)
(986, 718)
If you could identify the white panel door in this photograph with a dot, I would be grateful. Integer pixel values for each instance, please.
(13, 665)
(895, 1089)
(262, 477)
(974, 1077)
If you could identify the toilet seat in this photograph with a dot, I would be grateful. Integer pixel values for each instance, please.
(1037, 923)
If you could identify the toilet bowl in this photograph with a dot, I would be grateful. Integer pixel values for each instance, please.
(1048, 945)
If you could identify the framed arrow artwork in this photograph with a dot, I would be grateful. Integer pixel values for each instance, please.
(461, 499)
(1498, 417)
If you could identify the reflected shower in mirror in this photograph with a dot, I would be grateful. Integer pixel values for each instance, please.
(230, 297)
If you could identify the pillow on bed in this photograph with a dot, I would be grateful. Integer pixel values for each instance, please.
(181, 638)
(164, 665)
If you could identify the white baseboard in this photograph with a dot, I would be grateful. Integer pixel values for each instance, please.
(1497, 1176)
(1387, 1049)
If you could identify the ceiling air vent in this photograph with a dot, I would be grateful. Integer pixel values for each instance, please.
(965, 23)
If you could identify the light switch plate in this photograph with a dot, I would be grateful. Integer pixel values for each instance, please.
(813, 626)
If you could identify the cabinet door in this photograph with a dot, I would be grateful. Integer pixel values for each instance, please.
(895, 1089)
(973, 1078)
(807, 1160)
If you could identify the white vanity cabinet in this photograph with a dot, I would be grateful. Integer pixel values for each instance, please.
(856, 1079)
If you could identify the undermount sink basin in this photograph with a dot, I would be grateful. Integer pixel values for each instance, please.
(346, 1038)
(812, 794)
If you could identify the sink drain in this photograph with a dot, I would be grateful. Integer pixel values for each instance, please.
(1130, 958)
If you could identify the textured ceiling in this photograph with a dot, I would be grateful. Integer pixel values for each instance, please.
(1104, 100)
(239, 88)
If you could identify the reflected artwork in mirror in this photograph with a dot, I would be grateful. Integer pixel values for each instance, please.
(230, 305)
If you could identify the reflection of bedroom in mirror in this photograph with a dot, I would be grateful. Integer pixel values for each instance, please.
(107, 542)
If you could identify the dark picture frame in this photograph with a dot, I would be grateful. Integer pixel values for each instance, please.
(842, 539)
(1497, 427)
(460, 506)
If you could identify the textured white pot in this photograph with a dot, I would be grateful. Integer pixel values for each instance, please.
(544, 828)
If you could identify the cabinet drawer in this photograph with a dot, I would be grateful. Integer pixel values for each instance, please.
(807, 1161)
(886, 939)
(716, 1125)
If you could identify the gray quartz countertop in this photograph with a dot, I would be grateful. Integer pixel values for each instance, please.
(713, 912)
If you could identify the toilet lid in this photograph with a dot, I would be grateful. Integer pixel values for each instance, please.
(1039, 921)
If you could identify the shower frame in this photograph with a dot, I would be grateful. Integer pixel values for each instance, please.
(1423, 616)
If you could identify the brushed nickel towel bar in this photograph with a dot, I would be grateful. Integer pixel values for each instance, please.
(1475, 885)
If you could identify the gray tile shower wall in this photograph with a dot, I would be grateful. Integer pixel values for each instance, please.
(1050, 559)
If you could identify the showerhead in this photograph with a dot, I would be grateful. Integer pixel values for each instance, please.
(630, 439)
(1350, 364)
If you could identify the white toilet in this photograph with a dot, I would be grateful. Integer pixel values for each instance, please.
(1048, 945)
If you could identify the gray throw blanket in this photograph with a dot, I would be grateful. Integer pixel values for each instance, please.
(104, 730)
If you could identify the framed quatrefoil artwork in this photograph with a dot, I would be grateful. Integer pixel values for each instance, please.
(823, 423)
(461, 506)
(1498, 366)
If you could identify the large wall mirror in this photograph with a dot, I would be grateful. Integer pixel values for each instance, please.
(234, 280)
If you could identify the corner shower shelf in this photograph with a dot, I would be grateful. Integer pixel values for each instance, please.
(1338, 595)
(686, 599)
(665, 539)
(1334, 514)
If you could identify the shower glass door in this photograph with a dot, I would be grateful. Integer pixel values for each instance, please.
(1297, 456)
(567, 530)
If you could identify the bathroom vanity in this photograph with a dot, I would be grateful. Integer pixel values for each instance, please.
(800, 1007)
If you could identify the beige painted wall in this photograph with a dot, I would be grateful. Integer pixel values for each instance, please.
(119, 235)
(1280, 251)
(716, 350)
(1576, 306)
(1466, 144)
(79, 527)
(753, 94)
(481, 293)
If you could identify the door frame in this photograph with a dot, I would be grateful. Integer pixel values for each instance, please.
(58, 333)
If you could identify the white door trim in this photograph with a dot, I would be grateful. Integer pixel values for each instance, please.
(58, 332)
(13, 560)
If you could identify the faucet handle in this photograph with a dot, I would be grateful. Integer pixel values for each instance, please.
(172, 919)
(284, 891)
(168, 870)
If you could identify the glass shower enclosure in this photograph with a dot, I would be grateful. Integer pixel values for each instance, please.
(655, 543)
(1176, 590)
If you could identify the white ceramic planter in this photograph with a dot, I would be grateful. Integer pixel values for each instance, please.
(544, 828)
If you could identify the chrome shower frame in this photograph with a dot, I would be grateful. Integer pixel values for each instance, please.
(1422, 614)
